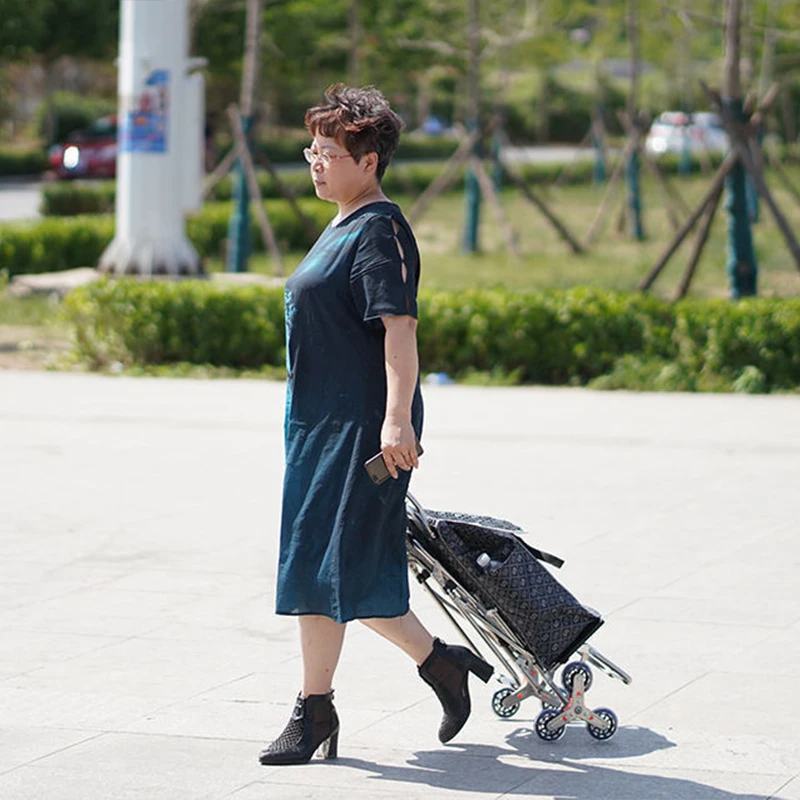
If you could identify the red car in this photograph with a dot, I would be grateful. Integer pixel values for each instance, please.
(88, 153)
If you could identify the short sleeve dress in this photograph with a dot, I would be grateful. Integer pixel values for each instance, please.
(342, 546)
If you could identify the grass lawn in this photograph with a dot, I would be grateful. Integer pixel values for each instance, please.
(31, 336)
(614, 261)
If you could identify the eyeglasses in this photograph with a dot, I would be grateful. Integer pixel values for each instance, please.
(324, 156)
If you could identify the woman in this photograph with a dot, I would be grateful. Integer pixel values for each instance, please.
(353, 390)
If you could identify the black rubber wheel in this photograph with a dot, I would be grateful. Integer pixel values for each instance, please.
(497, 703)
(541, 726)
(609, 716)
(572, 670)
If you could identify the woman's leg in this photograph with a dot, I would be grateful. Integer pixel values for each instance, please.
(407, 632)
(321, 641)
(445, 668)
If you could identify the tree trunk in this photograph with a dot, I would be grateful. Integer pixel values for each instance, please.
(741, 264)
(354, 54)
(787, 112)
(472, 188)
(599, 172)
(768, 48)
(239, 239)
(685, 163)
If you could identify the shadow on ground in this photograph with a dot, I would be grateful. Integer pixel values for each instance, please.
(569, 780)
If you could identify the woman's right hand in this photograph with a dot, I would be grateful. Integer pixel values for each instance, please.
(398, 445)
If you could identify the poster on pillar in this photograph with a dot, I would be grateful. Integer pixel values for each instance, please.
(144, 124)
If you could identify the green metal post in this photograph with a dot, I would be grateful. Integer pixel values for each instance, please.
(753, 209)
(497, 168)
(472, 207)
(599, 173)
(741, 264)
(634, 198)
(239, 238)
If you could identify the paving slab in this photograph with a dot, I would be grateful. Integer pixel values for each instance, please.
(140, 656)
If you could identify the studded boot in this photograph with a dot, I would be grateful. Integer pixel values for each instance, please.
(446, 671)
(313, 724)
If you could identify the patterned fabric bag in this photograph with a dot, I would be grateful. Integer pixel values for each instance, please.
(547, 618)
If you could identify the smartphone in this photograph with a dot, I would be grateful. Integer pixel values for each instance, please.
(376, 466)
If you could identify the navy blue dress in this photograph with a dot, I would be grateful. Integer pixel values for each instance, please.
(342, 549)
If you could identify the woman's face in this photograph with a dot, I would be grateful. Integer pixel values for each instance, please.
(336, 174)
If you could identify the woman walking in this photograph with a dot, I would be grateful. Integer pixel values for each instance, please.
(353, 390)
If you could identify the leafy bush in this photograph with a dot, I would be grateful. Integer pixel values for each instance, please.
(164, 322)
(580, 336)
(54, 244)
(50, 245)
(22, 161)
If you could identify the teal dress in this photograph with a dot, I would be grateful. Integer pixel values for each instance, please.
(342, 548)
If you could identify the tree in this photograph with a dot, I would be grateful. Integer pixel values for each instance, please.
(51, 29)
(21, 28)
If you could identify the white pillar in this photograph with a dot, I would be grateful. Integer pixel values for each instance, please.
(156, 117)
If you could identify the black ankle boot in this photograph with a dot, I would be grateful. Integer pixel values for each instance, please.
(313, 723)
(446, 671)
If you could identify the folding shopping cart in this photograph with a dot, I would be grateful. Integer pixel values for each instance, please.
(487, 578)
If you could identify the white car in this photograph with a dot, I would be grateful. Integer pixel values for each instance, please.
(700, 131)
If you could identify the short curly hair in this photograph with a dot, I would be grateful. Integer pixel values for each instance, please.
(361, 119)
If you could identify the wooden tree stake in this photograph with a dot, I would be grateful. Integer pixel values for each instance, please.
(700, 242)
(220, 171)
(445, 178)
(782, 176)
(716, 186)
(612, 185)
(487, 188)
(255, 190)
(537, 202)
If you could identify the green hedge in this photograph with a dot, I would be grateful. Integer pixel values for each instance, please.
(557, 337)
(22, 161)
(54, 244)
(69, 199)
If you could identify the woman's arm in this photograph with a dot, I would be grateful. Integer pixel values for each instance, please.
(398, 440)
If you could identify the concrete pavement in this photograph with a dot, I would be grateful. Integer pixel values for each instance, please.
(140, 658)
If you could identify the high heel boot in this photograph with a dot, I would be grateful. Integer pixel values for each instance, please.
(446, 671)
(313, 723)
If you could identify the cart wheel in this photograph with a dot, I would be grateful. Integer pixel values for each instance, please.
(541, 726)
(571, 671)
(609, 716)
(497, 703)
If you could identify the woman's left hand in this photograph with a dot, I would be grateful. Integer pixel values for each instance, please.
(398, 445)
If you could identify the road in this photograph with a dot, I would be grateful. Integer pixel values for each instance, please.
(19, 198)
